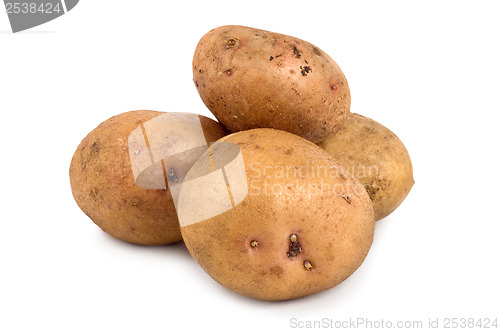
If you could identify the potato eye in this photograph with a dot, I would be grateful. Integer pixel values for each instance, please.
(308, 266)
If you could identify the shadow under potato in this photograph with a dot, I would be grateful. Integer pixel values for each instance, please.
(177, 248)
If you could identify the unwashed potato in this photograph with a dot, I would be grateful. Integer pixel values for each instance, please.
(304, 225)
(377, 158)
(104, 187)
(252, 78)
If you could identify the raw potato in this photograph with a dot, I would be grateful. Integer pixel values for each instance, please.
(252, 78)
(104, 187)
(305, 225)
(377, 158)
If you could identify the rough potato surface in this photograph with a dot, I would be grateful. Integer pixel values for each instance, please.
(305, 226)
(377, 158)
(252, 78)
(104, 187)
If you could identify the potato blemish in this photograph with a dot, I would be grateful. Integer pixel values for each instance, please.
(308, 266)
(296, 52)
(276, 271)
(294, 248)
(232, 43)
(95, 148)
(276, 56)
(254, 244)
(347, 198)
(305, 70)
(171, 176)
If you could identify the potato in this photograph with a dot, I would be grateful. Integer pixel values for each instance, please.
(277, 219)
(104, 185)
(251, 78)
(377, 158)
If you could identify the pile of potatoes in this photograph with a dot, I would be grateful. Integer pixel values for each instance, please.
(279, 198)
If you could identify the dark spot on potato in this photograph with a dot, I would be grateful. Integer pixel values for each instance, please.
(200, 71)
(375, 186)
(277, 56)
(306, 61)
(93, 193)
(308, 266)
(254, 243)
(196, 83)
(289, 151)
(171, 176)
(294, 247)
(372, 190)
(369, 130)
(94, 150)
(276, 270)
(231, 42)
(228, 72)
(292, 71)
(316, 51)
(271, 58)
(305, 70)
(132, 229)
(296, 52)
(333, 87)
(347, 198)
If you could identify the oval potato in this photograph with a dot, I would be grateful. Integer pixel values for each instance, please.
(105, 189)
(285, 239)
(377, 158)
(252, 78)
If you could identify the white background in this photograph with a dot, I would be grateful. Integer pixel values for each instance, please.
(428, 70)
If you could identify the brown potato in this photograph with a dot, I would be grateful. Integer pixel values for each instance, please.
(104, 187)
(377, 158)
(252, 78)
(304, 225)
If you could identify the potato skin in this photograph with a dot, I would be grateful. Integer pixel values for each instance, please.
(104, 187)
(335, 238)
(377, 158)
(252, 78)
